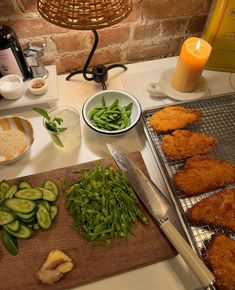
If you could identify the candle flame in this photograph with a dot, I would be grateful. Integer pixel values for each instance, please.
(198, 45)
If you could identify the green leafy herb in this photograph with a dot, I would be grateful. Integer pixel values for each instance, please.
(52, 121)
(103, 205)
(64, 184)
(80, 170)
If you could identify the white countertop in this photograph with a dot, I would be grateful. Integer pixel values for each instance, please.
(172, 274)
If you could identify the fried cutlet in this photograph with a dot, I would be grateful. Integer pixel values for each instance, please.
(201, 174)
(173, 118)
(184, 144)
(220, 258)
(217, 209)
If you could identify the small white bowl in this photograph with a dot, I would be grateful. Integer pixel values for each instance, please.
(38, 86)
(11, 87)
(110, 96)
(15, 123)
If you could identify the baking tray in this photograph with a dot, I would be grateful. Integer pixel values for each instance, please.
(218, 121)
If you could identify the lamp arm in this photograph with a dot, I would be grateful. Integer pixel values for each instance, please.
(90, 57)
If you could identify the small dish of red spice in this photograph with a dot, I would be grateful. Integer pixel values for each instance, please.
(38, 86)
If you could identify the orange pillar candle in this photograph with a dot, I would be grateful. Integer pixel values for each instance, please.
(193, 57)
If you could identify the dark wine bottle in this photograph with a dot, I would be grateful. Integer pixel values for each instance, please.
(12, 59)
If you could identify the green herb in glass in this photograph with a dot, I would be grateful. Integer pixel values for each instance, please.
(52, 123)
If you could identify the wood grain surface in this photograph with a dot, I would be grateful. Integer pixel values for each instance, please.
(92, 262)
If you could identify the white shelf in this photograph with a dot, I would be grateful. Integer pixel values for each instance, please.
(29, 99)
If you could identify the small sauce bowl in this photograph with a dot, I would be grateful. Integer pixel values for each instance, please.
(38, 86)
(11, 86)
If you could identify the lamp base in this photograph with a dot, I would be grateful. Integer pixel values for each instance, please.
(164, 88)
(99, 73)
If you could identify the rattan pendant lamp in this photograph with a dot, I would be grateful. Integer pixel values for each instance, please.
(87, 15)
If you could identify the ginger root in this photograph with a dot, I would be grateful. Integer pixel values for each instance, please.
(55, 267)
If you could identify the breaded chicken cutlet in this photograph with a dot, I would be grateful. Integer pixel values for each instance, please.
(184, 144)
(217, 209)
(174, 117)
(220, 258)
(201, 174)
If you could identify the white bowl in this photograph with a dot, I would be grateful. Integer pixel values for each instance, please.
(110, 96)
(9, 125)
(38, 86)
(11, 86)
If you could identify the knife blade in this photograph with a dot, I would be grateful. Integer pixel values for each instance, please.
(141, 183)
(161, 210)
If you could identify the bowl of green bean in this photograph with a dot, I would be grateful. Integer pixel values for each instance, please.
(111, 112)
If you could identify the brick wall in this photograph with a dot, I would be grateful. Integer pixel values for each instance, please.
(154, 29)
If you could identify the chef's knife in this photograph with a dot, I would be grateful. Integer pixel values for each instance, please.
(159, 207)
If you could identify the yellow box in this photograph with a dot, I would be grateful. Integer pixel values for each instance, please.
(219, 31)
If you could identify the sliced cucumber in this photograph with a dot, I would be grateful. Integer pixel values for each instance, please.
(43, 217)
(24, 209)
(24, 232)
(25, 216)
(51, 185)
(24, 184)
(20, 205)
(10, 243)
(29, 222)
(48, 194)
(45, 203)
(11, 191)
(4, 186)
(54, 209)
(14, 226)
(6, 217)
(29, 193)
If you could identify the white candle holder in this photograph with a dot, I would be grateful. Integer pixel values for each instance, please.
(164, 88)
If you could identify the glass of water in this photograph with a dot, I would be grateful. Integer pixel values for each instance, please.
(71, 136)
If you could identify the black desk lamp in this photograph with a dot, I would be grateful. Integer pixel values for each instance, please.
(87, 15)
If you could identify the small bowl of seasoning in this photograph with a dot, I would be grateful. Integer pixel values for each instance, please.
(11, 87)
(38, 86)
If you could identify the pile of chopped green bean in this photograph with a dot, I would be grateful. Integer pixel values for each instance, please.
(112, 118)
(103, 205)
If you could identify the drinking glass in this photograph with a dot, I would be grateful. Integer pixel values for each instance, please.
(71, 137)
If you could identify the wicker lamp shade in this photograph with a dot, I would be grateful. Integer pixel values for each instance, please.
(84, 14)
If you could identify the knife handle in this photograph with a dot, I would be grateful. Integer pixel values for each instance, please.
(203, 274)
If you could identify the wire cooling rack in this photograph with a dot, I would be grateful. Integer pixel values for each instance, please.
(219, 121)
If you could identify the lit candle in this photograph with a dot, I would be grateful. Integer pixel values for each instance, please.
(193, 57)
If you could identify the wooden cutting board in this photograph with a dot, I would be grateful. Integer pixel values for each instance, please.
(92, 262)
